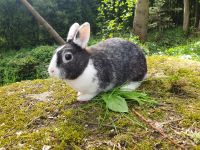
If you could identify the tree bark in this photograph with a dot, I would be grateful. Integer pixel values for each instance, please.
(140, 23)
(186, 16)
(196, 21)
(41, 20)
(199, 26)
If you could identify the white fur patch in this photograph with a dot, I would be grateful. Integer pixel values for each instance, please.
(109, 87)
(53, 70)
(131, 86)
(72, 31)
(84, 35)
(59, 48)
(85, 97)
(87, 82)
(145, 77)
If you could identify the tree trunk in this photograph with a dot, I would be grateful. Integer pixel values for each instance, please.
(199, 26)
(186, 16)
(196, 21)
(140, 23)
(41, 20)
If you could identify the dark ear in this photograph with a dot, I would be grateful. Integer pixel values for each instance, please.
(83, 35)
(72, 32)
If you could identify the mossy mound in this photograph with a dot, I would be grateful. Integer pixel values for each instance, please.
(44, 113)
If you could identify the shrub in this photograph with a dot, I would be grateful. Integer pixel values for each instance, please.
(25, 64)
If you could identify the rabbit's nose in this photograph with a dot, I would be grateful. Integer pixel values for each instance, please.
(52, 71)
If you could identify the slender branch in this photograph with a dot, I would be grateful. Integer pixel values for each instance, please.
(42, 21)
(148, 122)
(172, 121)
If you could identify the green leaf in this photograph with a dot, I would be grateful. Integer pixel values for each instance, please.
(115, 103)
(141, 98)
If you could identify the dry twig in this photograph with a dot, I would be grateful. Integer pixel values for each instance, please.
(171, 121)
(150, 123)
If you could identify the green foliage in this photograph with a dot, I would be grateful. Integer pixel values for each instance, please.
(171, 42)
(115, 103)
(140, 98)
(168, 42)
(163, 14)
(190, 50)
(25, 64)
(19, 29)
(160, 41)
(115, 16)
(116, 99)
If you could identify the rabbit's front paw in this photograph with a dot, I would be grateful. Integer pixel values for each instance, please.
(85, 97)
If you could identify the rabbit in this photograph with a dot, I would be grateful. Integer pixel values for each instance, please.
(98, 68)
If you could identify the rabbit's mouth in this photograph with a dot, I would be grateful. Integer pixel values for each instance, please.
(62, 75)
(54, 72)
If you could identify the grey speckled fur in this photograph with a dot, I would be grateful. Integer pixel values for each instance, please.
(118, 61)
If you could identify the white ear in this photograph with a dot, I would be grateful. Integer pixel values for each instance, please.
(72, 31)
(83, 35)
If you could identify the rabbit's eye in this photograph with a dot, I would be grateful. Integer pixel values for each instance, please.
(67, 57)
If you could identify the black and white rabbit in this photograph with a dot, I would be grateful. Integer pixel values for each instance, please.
(91, 70)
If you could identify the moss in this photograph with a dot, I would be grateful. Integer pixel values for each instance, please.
(197, 147)
(165, 76)
(190, 111)
(144, 145)
(124, 141)
(31, 117)
(56, 119)
(150, 143)
(69, 134)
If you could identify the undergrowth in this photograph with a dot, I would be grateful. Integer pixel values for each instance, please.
(25, 64)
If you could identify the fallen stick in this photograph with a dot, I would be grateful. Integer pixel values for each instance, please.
(172, 121)
(148, 122)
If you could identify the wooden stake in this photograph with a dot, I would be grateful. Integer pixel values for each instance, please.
(42, 21)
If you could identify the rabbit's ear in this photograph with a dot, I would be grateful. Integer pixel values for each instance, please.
(72, 31)
(83, 35)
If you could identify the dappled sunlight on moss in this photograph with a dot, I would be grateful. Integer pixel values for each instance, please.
(168, 75)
